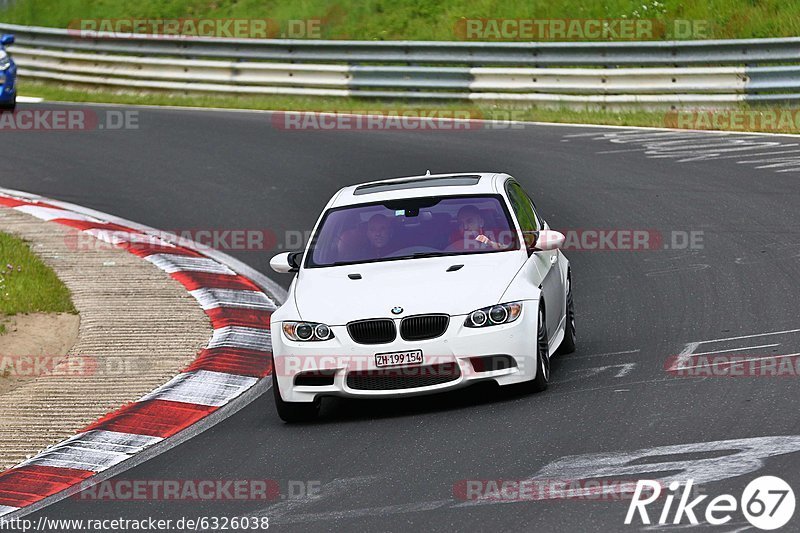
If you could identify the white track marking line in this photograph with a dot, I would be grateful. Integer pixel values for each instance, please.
(329, 490)
(643, 130)
(414, 507)
(716, 153)
(793, 153)
(676, 148)
(624, 151)
(605, 354)
(624, 370)
(752, 451)
(684, 356)
(735, 156)
(736, 349)
(698, 267)
(783, 162)
(689, 146)
(751, 336)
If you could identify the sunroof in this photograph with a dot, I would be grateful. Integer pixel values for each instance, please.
(417, 183)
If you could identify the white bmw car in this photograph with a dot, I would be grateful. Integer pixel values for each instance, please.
(418, 285)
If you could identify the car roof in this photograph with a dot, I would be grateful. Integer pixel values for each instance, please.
(424, 185)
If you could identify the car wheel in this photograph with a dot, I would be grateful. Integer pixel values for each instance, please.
(9, 108)
(293, 411)
(539, 383)
(568, 344)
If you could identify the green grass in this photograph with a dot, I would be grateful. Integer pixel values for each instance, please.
(501, 111)
(425, 19)
(27, 285)
(399, 19)
(332, 104)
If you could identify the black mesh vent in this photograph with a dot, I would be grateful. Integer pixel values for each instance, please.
(409, 377)
(377, 331)
(315, 378)
(417, 328)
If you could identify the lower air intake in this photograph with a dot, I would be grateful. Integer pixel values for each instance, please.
(411, 377)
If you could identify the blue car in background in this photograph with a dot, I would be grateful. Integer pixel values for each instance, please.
(8, 76)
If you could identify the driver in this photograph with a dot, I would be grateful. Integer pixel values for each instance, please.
(379, 235)
(472, 232)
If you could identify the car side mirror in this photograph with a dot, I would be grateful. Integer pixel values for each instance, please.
(7, 39)
(549, 240)
(286, 262)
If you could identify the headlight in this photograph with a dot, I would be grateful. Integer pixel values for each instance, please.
(307, 331)
(494, 315)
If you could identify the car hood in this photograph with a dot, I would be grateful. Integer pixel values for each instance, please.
(419, 286)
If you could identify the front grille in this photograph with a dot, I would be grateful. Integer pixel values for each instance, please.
(421, 327)
(409, 377)
(377, 331)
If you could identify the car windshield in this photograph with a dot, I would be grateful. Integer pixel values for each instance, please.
(411, 228)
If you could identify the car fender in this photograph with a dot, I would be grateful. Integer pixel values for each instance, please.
(564, 264)
(524, 286)
(287, 311)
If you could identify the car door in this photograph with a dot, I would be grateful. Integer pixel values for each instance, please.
(546, 262)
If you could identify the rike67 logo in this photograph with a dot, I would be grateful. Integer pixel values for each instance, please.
(767, 503)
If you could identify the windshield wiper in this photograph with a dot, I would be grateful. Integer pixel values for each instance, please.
(418, 254)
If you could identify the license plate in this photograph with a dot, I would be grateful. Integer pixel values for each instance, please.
(413, 357)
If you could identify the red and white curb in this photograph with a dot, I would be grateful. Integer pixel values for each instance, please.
(237, 356)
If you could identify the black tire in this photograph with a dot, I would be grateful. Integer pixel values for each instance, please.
(9, 108)
(292, 412)
(570, 338)
(542, 379)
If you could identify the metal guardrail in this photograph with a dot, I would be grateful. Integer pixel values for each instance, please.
(655, 74)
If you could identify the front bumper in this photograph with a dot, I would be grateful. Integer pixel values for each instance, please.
(8, 85)
(341, 356)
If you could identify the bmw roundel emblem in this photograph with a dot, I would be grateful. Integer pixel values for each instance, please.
(397, 310)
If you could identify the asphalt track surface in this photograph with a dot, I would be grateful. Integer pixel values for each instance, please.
(392, 465)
